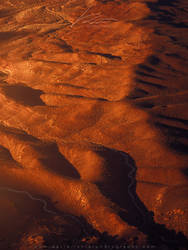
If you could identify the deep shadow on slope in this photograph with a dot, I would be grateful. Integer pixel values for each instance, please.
(163, 75)
(161, 85)
(123, 192)
(23, 94)
(165, 114)
(131, 209)
(48, 153)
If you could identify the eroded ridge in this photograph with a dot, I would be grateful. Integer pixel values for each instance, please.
(93, 120)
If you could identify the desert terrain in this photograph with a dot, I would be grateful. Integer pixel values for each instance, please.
(93, 124)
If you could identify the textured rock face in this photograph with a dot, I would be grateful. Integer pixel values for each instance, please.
(93, 121)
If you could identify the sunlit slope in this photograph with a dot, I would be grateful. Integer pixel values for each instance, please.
(90, 93)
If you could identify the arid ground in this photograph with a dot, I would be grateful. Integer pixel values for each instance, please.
(93, 124)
